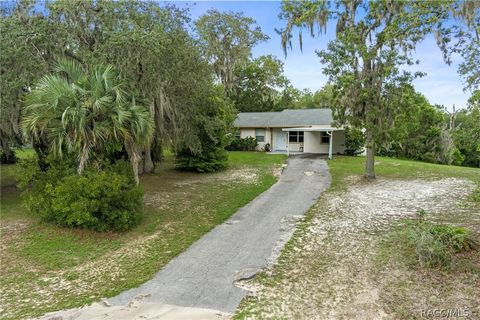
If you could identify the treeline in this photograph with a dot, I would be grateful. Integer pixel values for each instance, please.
(157, 62)
(191, 81)
(100, 89)
(419, 130)
(431, 133)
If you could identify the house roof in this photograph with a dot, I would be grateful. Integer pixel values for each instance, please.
(285, 118)
(315, 128)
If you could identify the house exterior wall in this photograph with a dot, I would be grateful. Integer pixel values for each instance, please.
(250, 132)
(312, 141)
(247, 132)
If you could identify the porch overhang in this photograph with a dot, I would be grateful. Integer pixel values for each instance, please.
(328, 129)
(315, 129)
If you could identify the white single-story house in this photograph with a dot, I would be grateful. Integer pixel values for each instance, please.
(293, 130)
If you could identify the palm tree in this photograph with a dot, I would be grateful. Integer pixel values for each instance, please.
(80, 110)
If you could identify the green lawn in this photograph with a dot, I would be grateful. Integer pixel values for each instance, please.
(46, 268)
(343, 166)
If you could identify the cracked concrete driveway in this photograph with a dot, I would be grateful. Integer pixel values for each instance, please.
(204, 276)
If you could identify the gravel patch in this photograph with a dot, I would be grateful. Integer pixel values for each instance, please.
(328, 273)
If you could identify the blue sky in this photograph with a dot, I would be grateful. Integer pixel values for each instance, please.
(441, 85)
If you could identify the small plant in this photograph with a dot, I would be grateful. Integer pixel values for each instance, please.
(421, 214)
(430, 251)
(455, 238)
(476, 194)
(433, 245)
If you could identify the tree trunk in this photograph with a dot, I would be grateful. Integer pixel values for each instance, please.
(370, 164)
(148, 165)
(83, 160)
(41, 149)
(134, 158)
(156, 150)
(140, 165)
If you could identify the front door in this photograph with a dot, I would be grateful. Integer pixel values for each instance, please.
(281, 141)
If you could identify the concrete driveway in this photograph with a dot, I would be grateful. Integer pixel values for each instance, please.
(204, 276)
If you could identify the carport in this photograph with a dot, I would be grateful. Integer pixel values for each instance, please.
(327, 129)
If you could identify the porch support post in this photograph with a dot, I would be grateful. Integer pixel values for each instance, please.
(288, 143)
(330, 144)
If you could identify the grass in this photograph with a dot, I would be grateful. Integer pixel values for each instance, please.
(402, 282)
(391, 168)
(422, 243)
(54, 249)
(46, 268)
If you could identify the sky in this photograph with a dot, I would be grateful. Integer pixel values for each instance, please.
(442, 84)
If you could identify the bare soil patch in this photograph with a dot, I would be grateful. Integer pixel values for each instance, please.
(329, 271)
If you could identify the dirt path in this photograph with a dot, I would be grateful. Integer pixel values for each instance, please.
(329, 273)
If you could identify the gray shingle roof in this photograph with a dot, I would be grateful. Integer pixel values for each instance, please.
(287, 118)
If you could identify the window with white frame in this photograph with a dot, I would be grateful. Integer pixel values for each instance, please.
(260, 135)
(324, 137)
(295, 137)
(238, 134)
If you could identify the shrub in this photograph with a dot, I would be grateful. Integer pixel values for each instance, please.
(242, 144)
(206, 153)
(8, 159)
(99, 201)
(434, 244)
(38, 184)
(476, 194)
(96, 200)
(211, 159)
(457, 157)
(455, 238)
(430, 251)
(354, 141)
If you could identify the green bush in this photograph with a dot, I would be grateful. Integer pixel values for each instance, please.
(430, 251)
(100, 201)
(4, 159)
(434, 244)
(210, 160)
(457, 157)
(476, 194)
(354, 141)
(96, 200)
(209, 155)
(455, 238)
(242, 144)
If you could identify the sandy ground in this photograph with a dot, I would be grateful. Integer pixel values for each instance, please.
(328, 274)
(136, 310)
